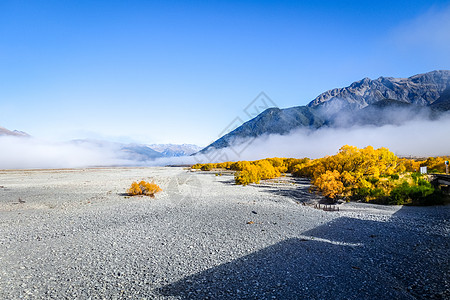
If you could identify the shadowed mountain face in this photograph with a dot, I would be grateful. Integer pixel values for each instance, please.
(443, 102)
(272, 121)
(366, 102)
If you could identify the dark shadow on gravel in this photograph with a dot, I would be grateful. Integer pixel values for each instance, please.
(298, 189)
(228, 181)
(293, 187)
(344, 259)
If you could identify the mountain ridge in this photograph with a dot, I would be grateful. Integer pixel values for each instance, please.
(421, 89)
(385, 100)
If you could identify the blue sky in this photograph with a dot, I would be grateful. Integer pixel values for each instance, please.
(181, 71)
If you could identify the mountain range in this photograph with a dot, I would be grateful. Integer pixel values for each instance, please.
(385, 100)
(175, 150)
(142, 152)
(133, 152)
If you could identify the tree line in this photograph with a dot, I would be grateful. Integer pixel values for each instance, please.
(353, 174)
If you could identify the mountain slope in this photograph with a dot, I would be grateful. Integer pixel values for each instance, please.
(271, 121)
(383, 112)
(443, 102)
(385, 100)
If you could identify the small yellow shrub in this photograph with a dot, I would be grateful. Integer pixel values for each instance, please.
(144, 188)
(135, 189)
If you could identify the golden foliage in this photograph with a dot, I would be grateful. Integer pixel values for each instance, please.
(144, 188)
(329, 184)
(353, 173)
(346, 173)
(434, 164)
(135, 189)
(253, 171)
(250, 174)
(266, 170)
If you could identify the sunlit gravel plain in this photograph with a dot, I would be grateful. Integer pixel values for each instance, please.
(75, 234)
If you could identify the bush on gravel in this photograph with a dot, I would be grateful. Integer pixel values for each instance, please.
(144, 188)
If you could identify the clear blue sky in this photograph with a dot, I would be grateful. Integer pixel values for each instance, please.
(181, 71)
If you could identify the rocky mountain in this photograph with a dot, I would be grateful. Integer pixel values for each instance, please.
(385, 100)
(271, 121)
(174, 150)
(421, 89)
(7, 132)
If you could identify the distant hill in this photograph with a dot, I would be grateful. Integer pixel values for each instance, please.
(174, 150)
(142, 152)
(134, 152)
(7, 132)
(139, 152)
(385, 100)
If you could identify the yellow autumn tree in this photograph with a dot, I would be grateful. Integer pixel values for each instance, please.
(250, 174)
(330, 184)
(266, 170)
(436, 164)
(387, 160)
(359, 174)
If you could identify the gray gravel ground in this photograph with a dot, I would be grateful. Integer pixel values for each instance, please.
(72, 234)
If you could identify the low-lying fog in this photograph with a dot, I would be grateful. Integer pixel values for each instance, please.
(416, 138)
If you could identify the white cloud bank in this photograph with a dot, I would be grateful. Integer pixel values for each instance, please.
(30, 153)
(416, 138)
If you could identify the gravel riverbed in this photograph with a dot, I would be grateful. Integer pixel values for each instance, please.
(74, 234)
